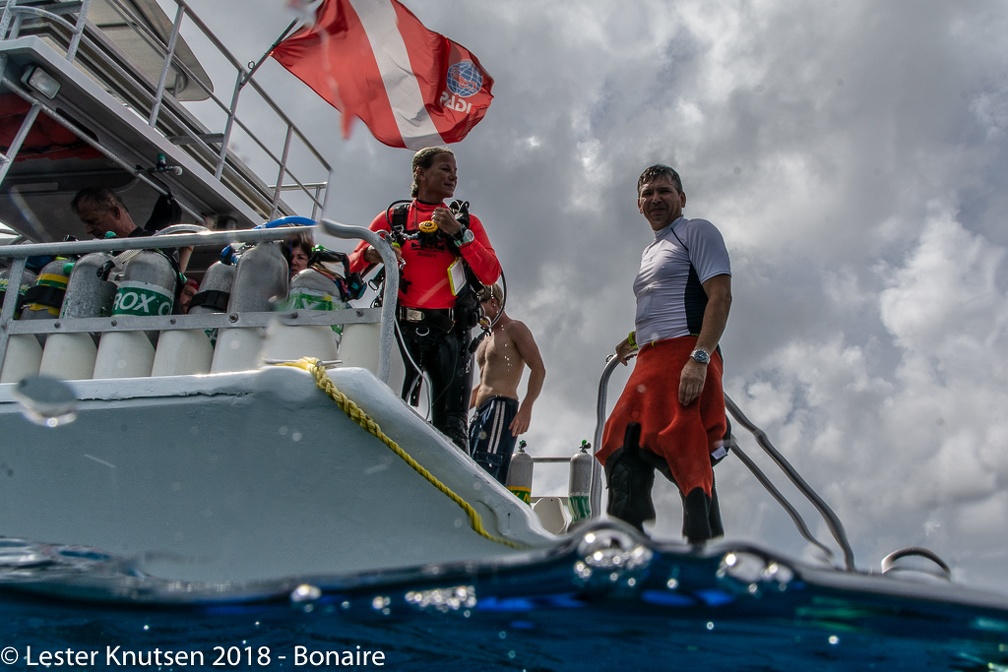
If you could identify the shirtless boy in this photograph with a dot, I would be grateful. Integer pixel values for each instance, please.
(502, 356)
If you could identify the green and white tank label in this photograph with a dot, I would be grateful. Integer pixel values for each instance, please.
(307, 299)
(580, 505)
(142, 298)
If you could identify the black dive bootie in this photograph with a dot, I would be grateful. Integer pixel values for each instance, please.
(630, 480)
(697, 516)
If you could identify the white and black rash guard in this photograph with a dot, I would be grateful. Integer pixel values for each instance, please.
(669, 285)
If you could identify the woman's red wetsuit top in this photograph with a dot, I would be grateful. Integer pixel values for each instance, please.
(425, 274)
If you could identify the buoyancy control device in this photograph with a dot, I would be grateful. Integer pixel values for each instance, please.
(467, 306)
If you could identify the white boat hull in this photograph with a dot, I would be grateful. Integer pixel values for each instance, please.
(249, 476)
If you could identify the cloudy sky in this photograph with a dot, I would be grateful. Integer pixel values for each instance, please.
(854, 156)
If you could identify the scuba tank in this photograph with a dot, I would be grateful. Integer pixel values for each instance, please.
(519, 476)
(260, 277)
(28, 280)
(215, 290)
(41, 301)
(309, 290)
(23, 350)
(183, 352)
(579, 484)
(147, 289)
(89, 293)
(45, 299)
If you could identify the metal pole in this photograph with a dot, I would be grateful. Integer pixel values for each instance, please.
(10, 303)
(281, 171)
(15, 146)
(78, 31)
(159, 94)
(600, 416)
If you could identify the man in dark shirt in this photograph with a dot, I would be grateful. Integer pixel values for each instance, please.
(102, 211)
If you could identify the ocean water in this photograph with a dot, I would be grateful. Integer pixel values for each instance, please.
(601, 600)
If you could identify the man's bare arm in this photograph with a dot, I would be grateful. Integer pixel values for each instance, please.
(481, 362)
(525, 343)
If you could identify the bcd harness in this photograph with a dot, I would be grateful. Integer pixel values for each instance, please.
(467, 306)
(350, 285)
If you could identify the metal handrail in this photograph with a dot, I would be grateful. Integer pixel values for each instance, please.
(158, 96)
(832, 521)
(386, 333)
(595, 500)
(19, 253)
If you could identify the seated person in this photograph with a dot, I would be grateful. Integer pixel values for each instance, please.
(188, 291)
(297, 250)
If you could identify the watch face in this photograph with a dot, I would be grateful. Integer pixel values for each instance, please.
(701, 356)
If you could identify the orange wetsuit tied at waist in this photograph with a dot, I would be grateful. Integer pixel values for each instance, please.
(684, 436)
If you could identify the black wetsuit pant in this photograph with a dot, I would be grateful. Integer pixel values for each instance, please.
(630, 474)
(445, 358)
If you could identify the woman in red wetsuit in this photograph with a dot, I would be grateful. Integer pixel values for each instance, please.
(435, 323)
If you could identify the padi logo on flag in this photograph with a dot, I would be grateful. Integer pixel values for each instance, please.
(464, 80)
(141, 298)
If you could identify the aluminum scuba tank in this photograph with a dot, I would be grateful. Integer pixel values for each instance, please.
(45, 299)
(89, 293)
(41, 301)
(579, 484)
(147, 289)
(309, 290)
(28, 280)
(260, 277)
(22, 359)
(215, 290)
(23, 350)
(519, 476)
(183, 352)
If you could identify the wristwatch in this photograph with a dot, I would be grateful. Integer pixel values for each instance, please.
(464, 237)
(700, 356)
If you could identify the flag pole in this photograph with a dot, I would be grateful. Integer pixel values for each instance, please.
(254, 65)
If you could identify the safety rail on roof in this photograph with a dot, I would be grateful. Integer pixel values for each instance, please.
(65, 24)
(17, 255)
(832, 521)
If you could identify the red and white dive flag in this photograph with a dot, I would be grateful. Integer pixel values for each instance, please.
(374, 60)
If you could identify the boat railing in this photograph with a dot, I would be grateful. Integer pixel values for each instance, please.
(832, 521)
(153, 90)
(16, 256)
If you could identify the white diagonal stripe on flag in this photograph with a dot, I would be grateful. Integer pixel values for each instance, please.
(379, 20)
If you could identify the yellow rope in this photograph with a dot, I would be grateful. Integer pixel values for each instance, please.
(357, 414)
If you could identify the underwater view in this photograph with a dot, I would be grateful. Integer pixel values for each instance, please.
(600, 600)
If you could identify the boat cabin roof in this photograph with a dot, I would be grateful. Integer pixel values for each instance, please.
(118, 120)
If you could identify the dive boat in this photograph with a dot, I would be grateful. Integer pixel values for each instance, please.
(269, 456)
(179, 464)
